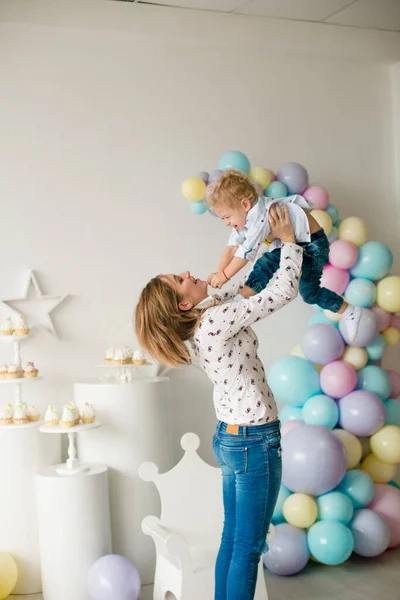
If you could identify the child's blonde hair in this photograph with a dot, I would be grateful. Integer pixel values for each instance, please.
(231, 188)
(162, 327)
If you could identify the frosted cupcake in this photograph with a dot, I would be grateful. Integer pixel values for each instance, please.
(21, 414)
(21, 327)
(139, 357)
(109, 356)
(6, 414)
(33, 413)
(122, 356)
(13, 372)
(6, 327)
(87, 413)
(68, 418)
(30, 370)
(74, 410)
(3, 371)
(51, 415)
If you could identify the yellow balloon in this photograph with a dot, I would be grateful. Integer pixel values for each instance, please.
(261, 176)
(300, 510)
(353, 229)
(380, 471)
(385, 444)
(297, 351)
(391, 335)
(388, 293)
(193, 189)
(318, 367)
(355, 356)
(8, 575)
(352, 446)
(323, 219)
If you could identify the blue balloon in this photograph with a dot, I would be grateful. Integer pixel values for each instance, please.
(276, 189)
(392, 412)
(335, 506)
(333, 212)
(278, 512)
(374, 261)
(290, 413)
(374, 379)
(377, 348)
(294, 176)
(321, 410)
(361, 292)
(293, 380)
(234, 160)
(198, 208)
(320, 317)
(358, 486)
(330, 542)
(334, 234)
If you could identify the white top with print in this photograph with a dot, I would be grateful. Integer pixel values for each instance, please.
(226, 345)
(257, 228)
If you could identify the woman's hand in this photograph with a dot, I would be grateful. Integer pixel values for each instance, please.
(281, 225)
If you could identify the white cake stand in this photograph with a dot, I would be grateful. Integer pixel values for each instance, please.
(72, 466)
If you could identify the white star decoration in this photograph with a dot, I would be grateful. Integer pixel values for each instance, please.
(35, 306)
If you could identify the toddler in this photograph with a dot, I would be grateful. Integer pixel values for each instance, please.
(235, 200)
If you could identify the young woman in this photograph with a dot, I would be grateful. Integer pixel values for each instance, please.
(174, 310)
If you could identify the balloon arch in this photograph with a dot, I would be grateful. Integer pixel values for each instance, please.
(340, 409)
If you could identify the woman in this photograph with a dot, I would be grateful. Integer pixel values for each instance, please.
(174, 309)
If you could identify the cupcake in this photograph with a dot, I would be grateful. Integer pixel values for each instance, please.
(21, 414)
(75, 411)
(6, 414)
(87, 413)
(13, 372)
(6, 327)
(3, 371)
(51, 415)
(33, 413)
(30, 370)
(139, 357)
(68, 418)
(122, 356)
(21, 328)
(109, 356)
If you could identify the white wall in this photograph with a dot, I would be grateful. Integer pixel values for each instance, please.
(102, 118)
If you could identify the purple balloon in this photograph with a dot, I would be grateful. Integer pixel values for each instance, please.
(204, 176)
(215, 175)
(322, 343)
(368, 329)
(113, 577)
(361, 412)
(313, 460)
(288, 552)
(294, 176)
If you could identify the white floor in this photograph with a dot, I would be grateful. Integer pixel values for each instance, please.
(357, 579)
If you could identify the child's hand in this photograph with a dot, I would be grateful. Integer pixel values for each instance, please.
(217, 280)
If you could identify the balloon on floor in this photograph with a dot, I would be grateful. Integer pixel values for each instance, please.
(340, 410)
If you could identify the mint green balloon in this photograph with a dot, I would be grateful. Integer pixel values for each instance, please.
(293, 380)
(276, 189)
(234, 160)
(335, 506)
(374, 261)
(330, 542)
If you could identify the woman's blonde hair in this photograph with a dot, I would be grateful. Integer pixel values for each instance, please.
(231, 188)
(162, 328)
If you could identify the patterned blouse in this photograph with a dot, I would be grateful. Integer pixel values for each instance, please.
(226, 346)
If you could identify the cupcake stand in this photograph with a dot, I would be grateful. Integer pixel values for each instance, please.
(22, 452)
(133, 407)
(74, 518)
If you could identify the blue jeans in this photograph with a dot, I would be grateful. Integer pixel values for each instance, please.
(251, 475)
(315, 257)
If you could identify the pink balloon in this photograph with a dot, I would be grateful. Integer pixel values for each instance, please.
(383, 317)
(343, 254)
(395, 379)
(386, 502)
(289, 425)
(317, 196)
(335, 279)
(338, 379)
(395, 322)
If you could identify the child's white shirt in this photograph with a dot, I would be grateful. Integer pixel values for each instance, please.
(257, 228)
